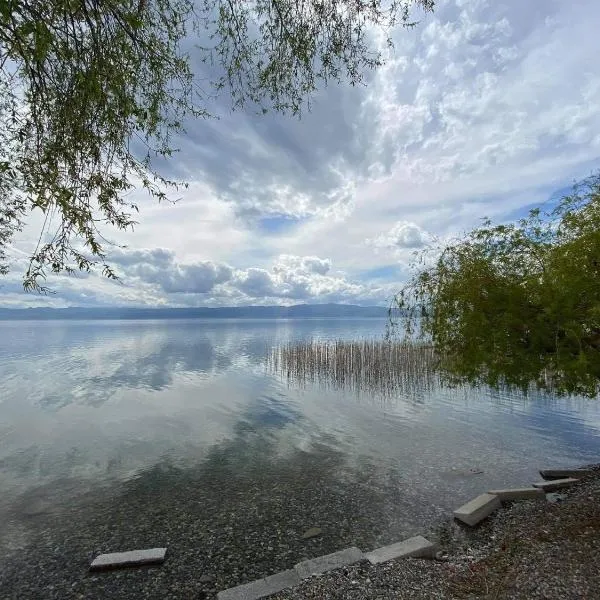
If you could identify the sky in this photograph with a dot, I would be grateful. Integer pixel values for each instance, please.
(486, 108)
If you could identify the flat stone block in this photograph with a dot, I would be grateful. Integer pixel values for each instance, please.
(530, 493)
(418, 547)
(565, 473)
(556, 484)
(477, 509)
(117, 560)
(321, 564)
(261, 587)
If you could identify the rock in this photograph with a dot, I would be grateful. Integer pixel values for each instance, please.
(510, 494)
(455, 473)
(564, 473)
(418, 547)
(554, 497)
(132, 558)
(207, 579)
(321, 564)
(477, 509)
(311, 533)
(556, 484)
(261, 587)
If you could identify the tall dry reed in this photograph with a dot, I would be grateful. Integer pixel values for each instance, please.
(371, 366)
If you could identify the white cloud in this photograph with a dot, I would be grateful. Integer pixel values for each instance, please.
(483, 109)
(302, 264)
(402, 235)
(151, 277)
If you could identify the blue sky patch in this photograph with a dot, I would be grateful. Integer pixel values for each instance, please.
(278, 224)
(385, 272)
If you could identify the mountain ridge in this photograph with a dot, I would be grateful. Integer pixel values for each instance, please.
(223, 312)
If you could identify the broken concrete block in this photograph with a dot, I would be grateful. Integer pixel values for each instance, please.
(133, 558)
(261, 587)
(477, 509)
(556, 484)
(565, 473)
(418, 547)
(318, 565)
(530, 493)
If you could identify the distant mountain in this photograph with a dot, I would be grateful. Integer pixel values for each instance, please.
(304, 311)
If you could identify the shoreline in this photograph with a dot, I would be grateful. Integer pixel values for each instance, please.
(527, 549)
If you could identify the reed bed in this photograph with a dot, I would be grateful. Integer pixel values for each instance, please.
(381, 367)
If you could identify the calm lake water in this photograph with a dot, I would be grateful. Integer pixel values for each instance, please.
(90, 406)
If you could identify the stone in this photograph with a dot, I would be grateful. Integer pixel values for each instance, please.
(455, 473)
(311, 533)
(132, 558)
(555, 497)
(261, 587)
(321, 564)
(565, 473)
(477, 509)
(530, 493)
(207, 579)
(556, 484)
(417, 547)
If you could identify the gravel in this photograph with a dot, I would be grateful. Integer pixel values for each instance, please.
(225, 526)
(526, 550)
(238, 516)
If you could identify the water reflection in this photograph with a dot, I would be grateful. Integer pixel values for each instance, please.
(57, 364)
(190, 411)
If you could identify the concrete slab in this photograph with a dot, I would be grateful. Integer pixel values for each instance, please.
(565, 473)
(261, 587)
(133, 558)
(556, 484)
(418, 547)
(530, 493)
(321, 564)
(477, 509)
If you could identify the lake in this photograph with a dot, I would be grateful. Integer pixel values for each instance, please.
(120, 434)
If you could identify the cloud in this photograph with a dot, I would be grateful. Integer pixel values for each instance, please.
(198, 278)
(158, 257)
(255, 283)
(158, 266)
(302, 264)
(300, 278)
(153, 276)
(402, 235)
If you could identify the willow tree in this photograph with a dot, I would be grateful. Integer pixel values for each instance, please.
(82, 81)
(516, 304)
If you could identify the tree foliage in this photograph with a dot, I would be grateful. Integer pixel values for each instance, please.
(519, 303)
(83, 81)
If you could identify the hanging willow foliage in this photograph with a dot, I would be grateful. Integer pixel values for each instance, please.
(518, 303)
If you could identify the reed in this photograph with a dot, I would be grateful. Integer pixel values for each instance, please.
(377, 367)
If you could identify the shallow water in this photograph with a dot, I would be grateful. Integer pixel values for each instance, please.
(94, 407)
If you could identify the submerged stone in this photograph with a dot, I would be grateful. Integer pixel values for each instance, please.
(311, 533)
(261, 587)
(133, 558)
